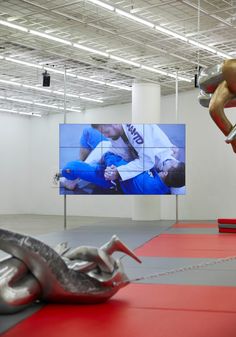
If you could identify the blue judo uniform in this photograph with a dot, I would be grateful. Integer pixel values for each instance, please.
(147, 182)
(91, 138)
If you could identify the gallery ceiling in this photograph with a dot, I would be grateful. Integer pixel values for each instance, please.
(94, 50)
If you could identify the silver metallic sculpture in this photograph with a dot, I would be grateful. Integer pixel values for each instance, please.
(218, 91)
(35, 271)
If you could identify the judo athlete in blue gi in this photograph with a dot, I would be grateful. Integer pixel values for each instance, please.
(90, 138)
(147, 182)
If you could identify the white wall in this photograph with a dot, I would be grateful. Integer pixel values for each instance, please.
(29, 158)
(45, 159)
(15, 164)
(211, 163)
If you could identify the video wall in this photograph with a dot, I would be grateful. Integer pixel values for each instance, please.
(139, 159)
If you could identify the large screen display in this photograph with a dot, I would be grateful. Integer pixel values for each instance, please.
(124, 159)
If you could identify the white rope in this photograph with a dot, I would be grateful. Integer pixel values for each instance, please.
(181, 269)
(198, 37)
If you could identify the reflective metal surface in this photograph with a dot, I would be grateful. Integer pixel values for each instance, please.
(37, 272)
(218, 91)
(204, 99)
(210, 78)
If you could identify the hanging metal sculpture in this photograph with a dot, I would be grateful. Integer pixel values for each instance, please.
(218, 91)
(36, 272)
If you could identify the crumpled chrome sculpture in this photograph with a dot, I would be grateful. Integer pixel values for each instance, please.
(35, 271)
(218, 91)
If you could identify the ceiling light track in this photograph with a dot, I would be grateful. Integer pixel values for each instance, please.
(159, 28)
(61, 72)
(32, 114)
(91, 50)
(37, 104)
(49, 91)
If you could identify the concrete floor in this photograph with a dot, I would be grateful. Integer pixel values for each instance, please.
(42, 224)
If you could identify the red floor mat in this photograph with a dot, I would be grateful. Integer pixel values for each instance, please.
(141, 310)
(190, 245)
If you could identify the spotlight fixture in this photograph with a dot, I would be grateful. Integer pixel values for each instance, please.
(46, 79)
(196, 81)
(196, 76)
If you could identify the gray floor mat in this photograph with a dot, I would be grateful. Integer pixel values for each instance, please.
(8, 321)
(199, 230)
(220, 274)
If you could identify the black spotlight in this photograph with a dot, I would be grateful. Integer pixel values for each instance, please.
(196, 76)
(46, 79)
(196, 85)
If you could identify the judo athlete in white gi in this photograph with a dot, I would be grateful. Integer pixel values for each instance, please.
(150, 148)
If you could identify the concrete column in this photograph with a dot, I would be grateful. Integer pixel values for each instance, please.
(145, 109)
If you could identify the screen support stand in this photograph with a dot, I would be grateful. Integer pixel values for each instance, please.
(176, 209)
(65, 222)
(65, 218)
(176, 117)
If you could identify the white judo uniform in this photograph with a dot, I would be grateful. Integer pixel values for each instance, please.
(146, 146)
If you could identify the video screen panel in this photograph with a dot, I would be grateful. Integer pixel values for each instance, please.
(123, 159)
